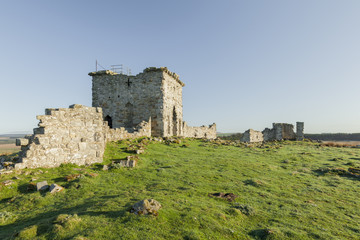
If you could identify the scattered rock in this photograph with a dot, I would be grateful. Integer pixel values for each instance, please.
(72, 177)
(7, 182)
(227, 196)
(130, 161)
(146, 207)
(41, 186)
(105, 168)
(16, 178)
(140, 151)
(5, 172)
(54, 188)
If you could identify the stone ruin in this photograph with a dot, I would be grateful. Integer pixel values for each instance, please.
(252, 136)
(145, 105)
(155, 93)
(280, 131)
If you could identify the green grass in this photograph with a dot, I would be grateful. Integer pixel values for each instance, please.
(280, 195)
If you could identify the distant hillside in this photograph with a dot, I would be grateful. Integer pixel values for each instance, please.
(17, 135)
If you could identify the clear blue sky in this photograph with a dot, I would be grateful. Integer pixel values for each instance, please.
(246, 64)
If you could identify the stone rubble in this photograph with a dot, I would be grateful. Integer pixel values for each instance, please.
(146, 207)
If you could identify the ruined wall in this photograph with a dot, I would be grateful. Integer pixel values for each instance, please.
(252, 136)
(172, 108)
(129, 100)
(268, 134)
(299, 131)
(76, 135)
(284, 131)
(280, 131)
(199, 132)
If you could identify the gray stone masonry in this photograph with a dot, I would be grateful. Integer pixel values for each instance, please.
(252, 136)
(299, 131)
(155, 93)
(280, 131)
(71, 135)
(148, 104)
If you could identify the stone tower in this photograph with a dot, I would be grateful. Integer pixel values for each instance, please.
(154, 94)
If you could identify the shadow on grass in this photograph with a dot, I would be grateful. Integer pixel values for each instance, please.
(46, 219)
(336, 171)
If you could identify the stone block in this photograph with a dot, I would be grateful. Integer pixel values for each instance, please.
(54, 188)
(22, 142)
(41, 186)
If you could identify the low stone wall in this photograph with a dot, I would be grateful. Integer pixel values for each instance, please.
(199, 132)
(76, 135)
(116, 134)
(252, 136)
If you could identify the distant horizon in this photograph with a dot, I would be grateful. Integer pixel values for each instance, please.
(30, 132)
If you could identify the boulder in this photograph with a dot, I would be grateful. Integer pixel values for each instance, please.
(54, 188)
(41, 186)
(146, 207)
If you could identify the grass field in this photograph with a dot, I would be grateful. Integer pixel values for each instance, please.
(285, 190)
(8, 148)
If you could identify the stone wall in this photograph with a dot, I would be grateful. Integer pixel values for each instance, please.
(252, 136)
(299, 131)
(155, 93)
(76, 135)
(280, 131)
(199, 132)
(172, 108)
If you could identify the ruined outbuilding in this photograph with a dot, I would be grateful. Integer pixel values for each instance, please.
(252, 136)
(124, 106)
(279, 131)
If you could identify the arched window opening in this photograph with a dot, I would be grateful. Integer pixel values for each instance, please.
(174, 122)
(108, 119)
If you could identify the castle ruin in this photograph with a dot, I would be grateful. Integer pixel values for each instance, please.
(279, 131)
(148, 104)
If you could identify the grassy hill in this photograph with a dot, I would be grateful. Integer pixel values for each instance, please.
(285, 190)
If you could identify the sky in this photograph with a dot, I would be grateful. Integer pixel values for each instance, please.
(246, 64)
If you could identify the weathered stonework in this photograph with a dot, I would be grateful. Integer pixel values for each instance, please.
(200, 132)
(299, 131)
(71, 135)
(252, 136)
(148, 104)
(284, 131)
(155, 93)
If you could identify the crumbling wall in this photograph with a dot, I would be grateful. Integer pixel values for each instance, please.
(299, 131)
(284, 131)
(280, 131)
(268, 134)
(76, 135)
(116, 134)
(252, 136)
(199, 132)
